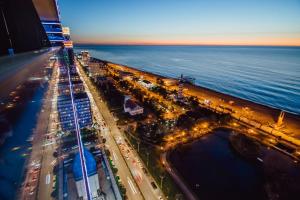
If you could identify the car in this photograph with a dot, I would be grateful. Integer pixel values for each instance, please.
(87, 143)
(153, 185)
(75, 147)
(96, 151)
(68, 160)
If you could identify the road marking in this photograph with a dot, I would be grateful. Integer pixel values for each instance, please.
(115, 156)
(47, 179)
(131, 185)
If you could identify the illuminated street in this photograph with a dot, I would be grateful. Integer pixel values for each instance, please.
(129, 165)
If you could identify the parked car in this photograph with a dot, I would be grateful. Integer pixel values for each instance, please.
(153, 185)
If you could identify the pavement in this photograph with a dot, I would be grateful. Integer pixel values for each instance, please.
(137, 184)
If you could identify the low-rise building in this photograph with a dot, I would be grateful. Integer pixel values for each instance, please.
(85, 57)
(97, 68)
(170, 82)
(125, 75)
(132, 107)
(146, 84)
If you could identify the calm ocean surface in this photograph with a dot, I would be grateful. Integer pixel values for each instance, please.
(267, 75)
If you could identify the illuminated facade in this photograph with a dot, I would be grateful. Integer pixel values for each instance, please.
(50, 17)
(64, 102)
(66, 117)
(85, 57)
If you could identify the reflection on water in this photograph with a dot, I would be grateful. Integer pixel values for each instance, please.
(215, 171)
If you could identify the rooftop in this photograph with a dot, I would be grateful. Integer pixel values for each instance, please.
(81, 95)
(130, 104)
(91, 166)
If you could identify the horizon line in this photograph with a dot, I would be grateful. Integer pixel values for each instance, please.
(182, 44)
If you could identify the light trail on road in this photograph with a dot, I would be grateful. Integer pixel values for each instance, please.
(131, 185)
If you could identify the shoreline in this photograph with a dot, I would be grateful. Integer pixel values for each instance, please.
(194, 88)
(263, 117)
(80, 45)
(177, 177)
(174, 172)
(247, 156)
(294, 114)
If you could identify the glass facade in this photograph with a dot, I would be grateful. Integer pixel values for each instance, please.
(54, 32)
(56, 28)
(65, 110)
(64, 102)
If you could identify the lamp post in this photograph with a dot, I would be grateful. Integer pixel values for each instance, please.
(162, 176)
(138, 142)
(147, 158)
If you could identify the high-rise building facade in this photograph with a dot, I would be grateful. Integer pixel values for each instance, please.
(65, 110)
(49, 14)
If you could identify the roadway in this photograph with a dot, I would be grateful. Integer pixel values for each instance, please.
(138, 185)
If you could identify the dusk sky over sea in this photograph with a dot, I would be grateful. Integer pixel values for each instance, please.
(150, 99)
(216, 22)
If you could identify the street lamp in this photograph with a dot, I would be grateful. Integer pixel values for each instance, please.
(162, 176)
(147, 158)
(138, 142)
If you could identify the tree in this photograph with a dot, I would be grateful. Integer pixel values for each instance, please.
(55, 154)
(54, 194)
(160, 90)
(160, 81)
(185, 121)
